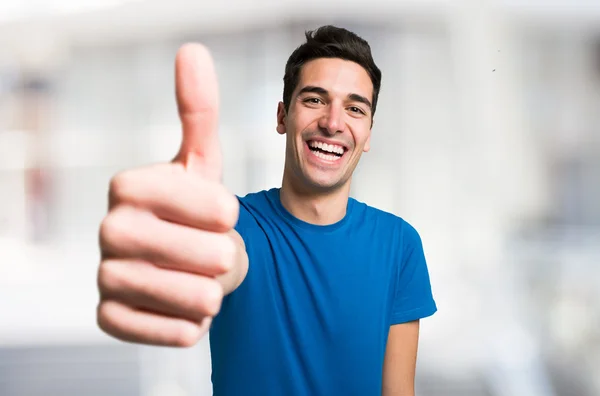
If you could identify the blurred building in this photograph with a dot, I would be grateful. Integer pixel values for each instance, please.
(486, 139)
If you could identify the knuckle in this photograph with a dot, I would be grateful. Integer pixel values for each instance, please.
(112, 230)
(105, 317)
(227, 254)
(120, 186)
(187, 335)
(213, 297)
(199, 299)
(227, 211)
(110, 278)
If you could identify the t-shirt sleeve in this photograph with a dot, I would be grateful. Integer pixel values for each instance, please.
(413, 297)
(245, 219)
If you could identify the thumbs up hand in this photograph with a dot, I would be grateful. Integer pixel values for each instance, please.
(169, 251)
(198, 105)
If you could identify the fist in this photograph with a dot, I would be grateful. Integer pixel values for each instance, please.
(167, 241)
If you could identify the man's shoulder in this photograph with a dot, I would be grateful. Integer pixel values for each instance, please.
(387, 219)
(374, 213)
(254, 196)
(255, 207)
(257, 200)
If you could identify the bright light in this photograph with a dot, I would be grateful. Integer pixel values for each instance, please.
(14, 10)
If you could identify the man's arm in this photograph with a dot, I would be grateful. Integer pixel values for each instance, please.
(401, 359)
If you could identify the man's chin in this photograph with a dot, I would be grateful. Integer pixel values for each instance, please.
(324, 185)
(313, 180)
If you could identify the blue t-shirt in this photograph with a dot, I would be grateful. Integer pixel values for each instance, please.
(312, 316)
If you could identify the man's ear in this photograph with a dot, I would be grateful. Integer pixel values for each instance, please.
(281, 115)
(367, 145)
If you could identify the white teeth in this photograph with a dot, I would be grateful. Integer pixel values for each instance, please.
(326, 156)
(332, 148)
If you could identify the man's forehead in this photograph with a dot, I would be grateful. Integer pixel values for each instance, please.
(337, 76)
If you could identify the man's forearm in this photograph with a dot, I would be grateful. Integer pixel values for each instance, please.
(400, 360)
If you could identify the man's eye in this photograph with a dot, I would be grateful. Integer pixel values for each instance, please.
(355, 109)
(313, 100)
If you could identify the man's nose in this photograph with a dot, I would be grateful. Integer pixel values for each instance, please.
(332, 120)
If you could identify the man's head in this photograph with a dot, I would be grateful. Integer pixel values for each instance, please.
(331, 85)
(330, 42)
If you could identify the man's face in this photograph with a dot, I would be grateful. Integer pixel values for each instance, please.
(328, 125)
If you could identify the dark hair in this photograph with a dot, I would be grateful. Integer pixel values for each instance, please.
(330, 42)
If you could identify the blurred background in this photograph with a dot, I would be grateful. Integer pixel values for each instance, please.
(486, 139)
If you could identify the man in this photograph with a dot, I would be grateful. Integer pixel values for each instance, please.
(323, 294)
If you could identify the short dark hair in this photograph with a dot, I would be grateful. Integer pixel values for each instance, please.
(330, 42)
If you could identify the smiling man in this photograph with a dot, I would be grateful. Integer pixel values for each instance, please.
(305, 290)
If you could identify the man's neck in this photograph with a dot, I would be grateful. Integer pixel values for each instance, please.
(319, 208)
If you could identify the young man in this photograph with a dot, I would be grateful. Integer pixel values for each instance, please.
(323, 294)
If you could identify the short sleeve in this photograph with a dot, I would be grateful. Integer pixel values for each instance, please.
(413, 297)
(245, 219)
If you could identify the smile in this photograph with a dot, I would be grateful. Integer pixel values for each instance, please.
(325, 151)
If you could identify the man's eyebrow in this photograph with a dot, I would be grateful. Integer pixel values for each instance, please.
(322, 91)
(361, 99)
(313, 89)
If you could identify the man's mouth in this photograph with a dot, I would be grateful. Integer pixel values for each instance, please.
(329, 152)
